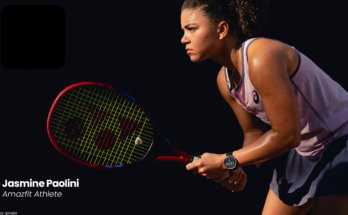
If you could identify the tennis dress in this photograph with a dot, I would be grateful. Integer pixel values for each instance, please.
(319, 165)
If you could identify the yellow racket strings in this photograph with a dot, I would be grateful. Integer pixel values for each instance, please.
(99, 126)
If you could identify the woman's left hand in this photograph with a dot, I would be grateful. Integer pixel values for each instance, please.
(235, 181)
(210, 166)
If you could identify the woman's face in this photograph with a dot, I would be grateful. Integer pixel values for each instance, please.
(199, 36)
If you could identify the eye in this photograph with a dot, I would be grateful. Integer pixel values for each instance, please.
(191, 29)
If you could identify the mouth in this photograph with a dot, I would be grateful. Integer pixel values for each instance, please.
(189, 51)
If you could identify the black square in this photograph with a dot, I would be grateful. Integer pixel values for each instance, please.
(32, 37)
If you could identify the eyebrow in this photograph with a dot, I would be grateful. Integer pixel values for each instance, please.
(186, 26)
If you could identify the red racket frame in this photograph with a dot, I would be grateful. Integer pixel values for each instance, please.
(184, 157)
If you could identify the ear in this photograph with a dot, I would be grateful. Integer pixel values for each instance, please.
(222, 30)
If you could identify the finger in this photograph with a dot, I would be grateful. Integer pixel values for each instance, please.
(241, 185)
(232, 182)
(235, 183)
(237, 180)
(223, 177)
(228, 181)
(190, 166)
(209, 176)
(232, 174)
(201, 170)
(193, 165)
(203, 173)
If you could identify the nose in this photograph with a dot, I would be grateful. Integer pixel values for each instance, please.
(184, 39)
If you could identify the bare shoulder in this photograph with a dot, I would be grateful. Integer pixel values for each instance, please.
(267, 52)
(264, 44)
(264, 48)
(268, 57)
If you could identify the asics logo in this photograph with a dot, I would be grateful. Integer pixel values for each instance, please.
(256, 97)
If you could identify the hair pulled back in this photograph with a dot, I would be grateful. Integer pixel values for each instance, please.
(245, 18)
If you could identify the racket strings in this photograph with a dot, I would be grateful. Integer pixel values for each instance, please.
(88, 121)
(148, 133)
(74, 128)
(78, 147)
(120, 112)
(97, 114)
(58, 109)
(112, 154)
(123, 125)
(78, 126)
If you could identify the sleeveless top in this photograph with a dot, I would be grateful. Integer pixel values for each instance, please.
(323, 103)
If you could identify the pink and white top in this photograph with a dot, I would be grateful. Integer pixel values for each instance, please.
(323, 103)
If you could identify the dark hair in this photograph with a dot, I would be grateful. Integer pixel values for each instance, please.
(245, 18)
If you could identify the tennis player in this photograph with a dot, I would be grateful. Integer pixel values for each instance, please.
(267, 81)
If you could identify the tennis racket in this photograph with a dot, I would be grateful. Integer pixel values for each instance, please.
(102, 127)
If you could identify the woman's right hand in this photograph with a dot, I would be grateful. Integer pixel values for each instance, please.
(233, 180)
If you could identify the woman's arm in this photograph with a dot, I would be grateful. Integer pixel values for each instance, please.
(268, 72)
(253, 128)
(211, 165)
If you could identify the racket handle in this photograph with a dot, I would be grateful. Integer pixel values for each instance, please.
(194, 158)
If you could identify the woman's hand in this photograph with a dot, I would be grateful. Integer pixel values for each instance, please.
(234, 180)
(210, 166)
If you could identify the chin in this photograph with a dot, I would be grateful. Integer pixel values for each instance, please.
(195, 59)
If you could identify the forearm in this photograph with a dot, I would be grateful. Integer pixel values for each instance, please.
(249, 139)
(269, 145)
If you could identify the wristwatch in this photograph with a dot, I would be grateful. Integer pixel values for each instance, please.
(230, 162)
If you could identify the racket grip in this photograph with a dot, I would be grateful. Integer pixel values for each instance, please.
(194, 158)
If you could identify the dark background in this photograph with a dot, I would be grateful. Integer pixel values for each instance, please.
(135, 46)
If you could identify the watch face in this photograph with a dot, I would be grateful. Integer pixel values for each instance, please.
(230, 162)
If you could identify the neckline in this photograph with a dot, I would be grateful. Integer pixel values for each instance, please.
(241, 80)
(244, 50)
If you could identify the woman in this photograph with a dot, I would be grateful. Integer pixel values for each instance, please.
(264, 80)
